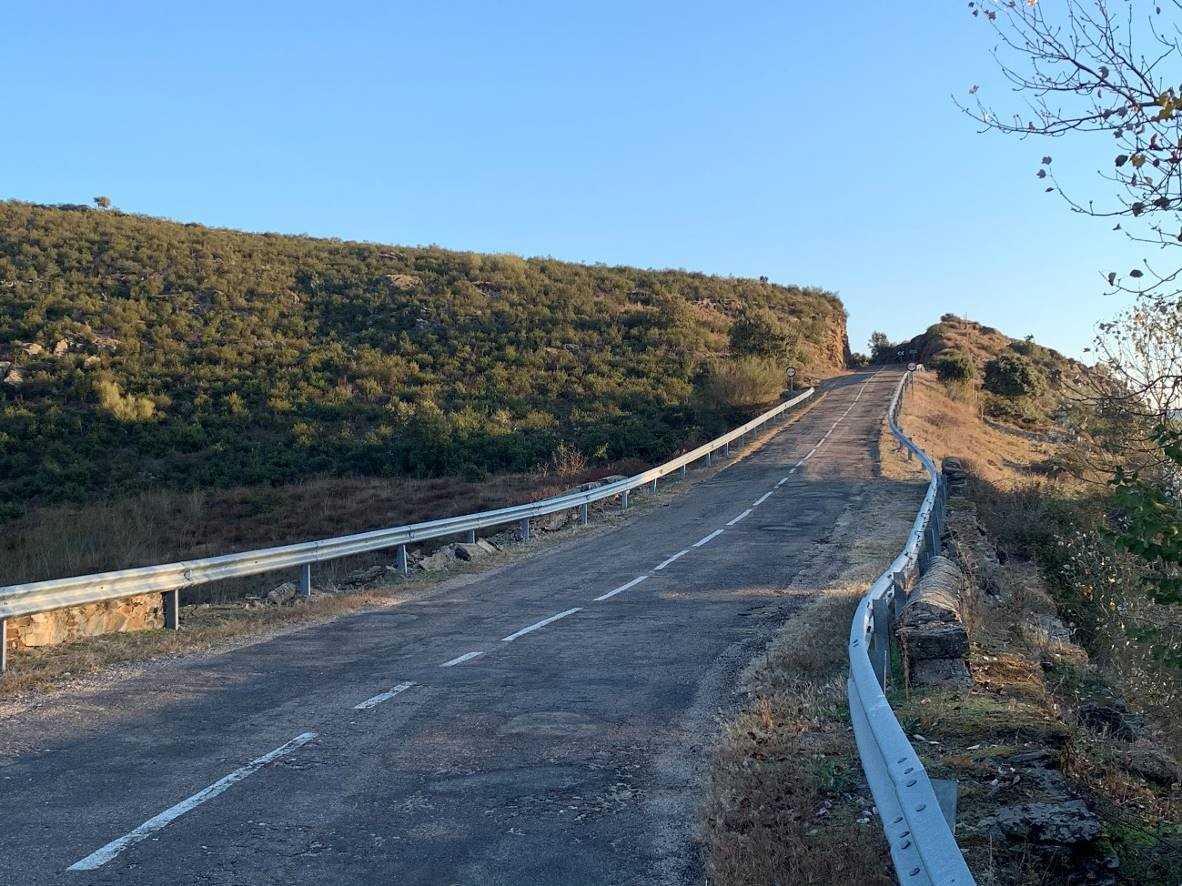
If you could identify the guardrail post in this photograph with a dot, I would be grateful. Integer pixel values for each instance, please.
(880, 649)
(683, 472)
(403, 566)
(624, 500)
(525, 528)
(584, 515)
(654, 485)
(471, 537)
(710, 458)
(172, 610)
(306, 580)
(726, 448)
(3, 645)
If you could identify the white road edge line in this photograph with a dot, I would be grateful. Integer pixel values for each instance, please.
(460, 659)
(383, 696)
(100, 857)
(707, 539)
(761, 499)
(622, 588)
(540, 624)
(740, 517)
(676, 556)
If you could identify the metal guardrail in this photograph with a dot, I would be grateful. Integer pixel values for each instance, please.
(921, 841)
(170, 578)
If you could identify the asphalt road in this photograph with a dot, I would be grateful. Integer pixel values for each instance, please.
(362, 752)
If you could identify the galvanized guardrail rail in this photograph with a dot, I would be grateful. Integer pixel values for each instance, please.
(170, 578)
(922, 844)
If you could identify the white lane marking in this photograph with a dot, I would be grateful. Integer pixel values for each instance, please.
(622, 588)
(676, 556)
(100, 857)
(460, 659)
(782, 480)
(383, 696)
(540, 624)
(740, 517)
(707, 539)
(761, 499)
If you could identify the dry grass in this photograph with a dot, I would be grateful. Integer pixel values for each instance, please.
(945, 421)
(56, 541)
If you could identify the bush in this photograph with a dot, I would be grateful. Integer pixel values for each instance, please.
(858, 360)
(955, 367)
(740, 385)
(759, 333)
(1012, 375)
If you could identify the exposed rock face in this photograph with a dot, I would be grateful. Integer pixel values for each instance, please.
(931, 631)
(63, 625)
(1067, 824)
(955, 473)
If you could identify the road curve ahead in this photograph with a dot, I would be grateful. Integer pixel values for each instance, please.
(545, 723)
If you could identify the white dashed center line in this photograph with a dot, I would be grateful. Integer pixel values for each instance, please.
(383, 696)
(709, 538)
(676, 556)
(622, 588)
(460, 659)
(738, 518)
(761, 499)
(101, 856)
(540, 624)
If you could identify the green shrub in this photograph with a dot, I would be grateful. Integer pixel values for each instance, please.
(742, 385)
(1012, 375)
(955, 367)
(760, 333)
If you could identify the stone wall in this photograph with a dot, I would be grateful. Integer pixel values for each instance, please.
(64, 625)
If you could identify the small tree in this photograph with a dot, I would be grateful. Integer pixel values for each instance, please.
(102, 202)
(882, 349)
(1012, 375)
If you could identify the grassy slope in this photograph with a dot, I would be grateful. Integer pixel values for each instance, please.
(197, 358)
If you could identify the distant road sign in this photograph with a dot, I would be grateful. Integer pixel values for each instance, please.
(791, 373)
(911, 367)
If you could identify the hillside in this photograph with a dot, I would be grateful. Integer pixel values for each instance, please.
(144, 354)
(1028, 385)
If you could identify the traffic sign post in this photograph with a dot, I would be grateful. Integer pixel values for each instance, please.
(791, 377)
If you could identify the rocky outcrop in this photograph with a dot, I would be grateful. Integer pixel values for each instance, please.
(64, 625)
(931, 633)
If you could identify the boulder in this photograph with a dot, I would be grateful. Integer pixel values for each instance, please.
(1152, 764)
(1067, 824)
(554, 522)
(61, 347)
(31, 348)
(283, 595)
(442, 559)
(365, 576)
(1111, 717)
(474, 551)
(14, 377)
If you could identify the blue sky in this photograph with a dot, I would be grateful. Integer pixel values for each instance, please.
(815, 143)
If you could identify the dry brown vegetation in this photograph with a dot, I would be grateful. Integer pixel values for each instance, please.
(1029, 685)
(61, 540)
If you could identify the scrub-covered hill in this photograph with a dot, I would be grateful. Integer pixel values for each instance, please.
(138, 353)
